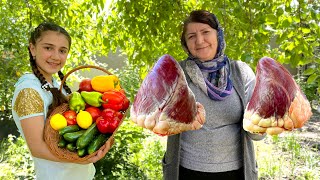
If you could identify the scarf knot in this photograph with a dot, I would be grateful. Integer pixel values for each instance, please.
(212, 76)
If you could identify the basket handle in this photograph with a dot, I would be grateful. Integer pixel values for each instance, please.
(81, 67)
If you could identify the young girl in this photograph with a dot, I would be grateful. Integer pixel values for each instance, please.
(37, 93)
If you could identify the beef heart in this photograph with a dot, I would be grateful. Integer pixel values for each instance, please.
(164, 103)
(277, 103)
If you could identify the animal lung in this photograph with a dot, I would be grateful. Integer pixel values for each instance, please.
(277, 103)
(164, 103)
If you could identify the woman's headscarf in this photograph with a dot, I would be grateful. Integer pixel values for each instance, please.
(212, 76)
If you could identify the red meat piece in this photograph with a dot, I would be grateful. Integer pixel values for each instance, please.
(164, 103)
(277, 103)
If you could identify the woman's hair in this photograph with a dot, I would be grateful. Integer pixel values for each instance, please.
(58, 97)
(197, 16)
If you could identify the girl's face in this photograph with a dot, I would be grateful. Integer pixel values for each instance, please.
(201, 41)
(51, 51)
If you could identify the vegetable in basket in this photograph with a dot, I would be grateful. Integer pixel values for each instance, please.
(85, 85)
(68, 129)
(94, 111)
(108, 121)
(58, 121)
(76, 102)
(104, 83)
(84, 119)
(115, 100)
(70, 116)
(87, 136)
(92, 98)
(98, 142)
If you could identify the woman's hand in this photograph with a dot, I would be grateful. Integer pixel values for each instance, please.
(101, 153)
(200, 118)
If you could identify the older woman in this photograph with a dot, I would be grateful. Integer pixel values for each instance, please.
(221, 149)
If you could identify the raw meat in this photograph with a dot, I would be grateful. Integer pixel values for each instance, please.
(164, 103)
(277, 103)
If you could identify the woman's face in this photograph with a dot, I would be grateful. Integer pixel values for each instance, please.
(51, 51)
(201, 41)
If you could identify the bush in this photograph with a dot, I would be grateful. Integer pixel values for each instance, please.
(15, 159)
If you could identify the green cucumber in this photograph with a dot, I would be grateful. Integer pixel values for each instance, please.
(62, 143)
(82, 152)
(71, 147)
(87, 136)
(67, 129)
(73, 136)
(98, 142)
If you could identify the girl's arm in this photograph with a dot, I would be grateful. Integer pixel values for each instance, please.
(33, 129)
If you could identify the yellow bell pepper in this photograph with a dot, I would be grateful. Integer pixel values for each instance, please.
(104, 83)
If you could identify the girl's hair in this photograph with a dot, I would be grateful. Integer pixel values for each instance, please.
(197, 16)
(58, 97)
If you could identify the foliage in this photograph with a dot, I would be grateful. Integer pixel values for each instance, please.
(116, 164)
(311, 89)
(251, 27)
(149, 158)
(287, 31)
(286, 157)
(15, 159)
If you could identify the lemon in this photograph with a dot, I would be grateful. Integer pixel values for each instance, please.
(84, 119)
(58, 121)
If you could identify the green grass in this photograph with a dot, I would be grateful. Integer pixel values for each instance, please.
(287, 157)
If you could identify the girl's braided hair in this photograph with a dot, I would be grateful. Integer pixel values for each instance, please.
(58, 97)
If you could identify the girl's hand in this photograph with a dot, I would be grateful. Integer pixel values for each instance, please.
(101, 153)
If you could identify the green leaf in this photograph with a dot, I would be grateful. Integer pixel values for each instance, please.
(312, 78)
(306, 30)
(309, 71)
(290, 46)
(296, 19)
(286, 23)
(271, 19)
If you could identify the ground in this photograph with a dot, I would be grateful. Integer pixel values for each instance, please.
(310, 132)
(291, 155)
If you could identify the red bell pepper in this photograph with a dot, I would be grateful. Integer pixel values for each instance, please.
(108, 121)
(111, 114)
(115, 100)
(126, 102)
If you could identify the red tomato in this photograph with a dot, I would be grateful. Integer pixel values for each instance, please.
(71, 116)
(85, 85)
(94, 111)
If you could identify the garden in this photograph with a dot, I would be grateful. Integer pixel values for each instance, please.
(127, 37)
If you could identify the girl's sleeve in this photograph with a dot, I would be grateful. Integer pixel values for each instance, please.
(28, 103)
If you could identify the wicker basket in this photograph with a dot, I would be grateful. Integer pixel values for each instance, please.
(52, 137)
